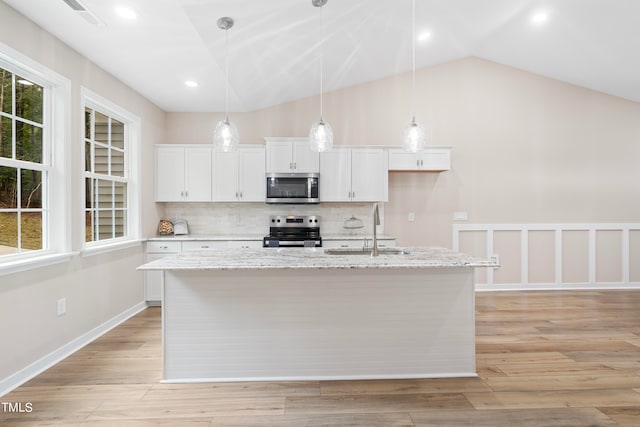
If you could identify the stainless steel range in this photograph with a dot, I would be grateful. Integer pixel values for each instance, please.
(293, 231)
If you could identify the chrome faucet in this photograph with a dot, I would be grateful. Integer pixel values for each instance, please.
(376, 222)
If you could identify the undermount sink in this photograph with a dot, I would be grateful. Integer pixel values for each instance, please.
(365, 251)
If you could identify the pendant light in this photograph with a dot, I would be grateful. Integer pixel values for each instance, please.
(414, 138)
(225, 136)
(321, 134)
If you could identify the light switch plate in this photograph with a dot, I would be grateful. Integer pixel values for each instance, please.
(460, 216)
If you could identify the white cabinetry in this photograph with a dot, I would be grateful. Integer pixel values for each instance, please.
(239, 176)
(183, 173)
(358, 243)
(153, 281)
(353, 174)
(156, 249)
(291, 155)
(432, 159)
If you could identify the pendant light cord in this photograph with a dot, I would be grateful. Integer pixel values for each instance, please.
(226, 73)
(413, 92)
(321, 58)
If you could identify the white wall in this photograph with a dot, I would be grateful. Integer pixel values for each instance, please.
(97, 288)
(526, 148)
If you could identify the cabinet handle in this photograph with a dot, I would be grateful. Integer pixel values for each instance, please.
(205, 246)
(163, 247)
(241, 194)
(421, 163)
(353, 195)
(295, 165)
(291, 165)
(236, 194)
(186, 194)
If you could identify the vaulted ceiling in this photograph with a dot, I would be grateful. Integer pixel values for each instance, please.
(274, 46)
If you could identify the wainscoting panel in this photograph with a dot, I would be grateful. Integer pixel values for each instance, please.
(553, 256)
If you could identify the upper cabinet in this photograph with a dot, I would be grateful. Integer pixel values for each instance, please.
(353, 175)
(290, 155)
(239, 176)
(183, 173)
(432, 159)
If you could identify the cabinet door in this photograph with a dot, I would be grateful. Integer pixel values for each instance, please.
(367, 174)
(304, 159)
(225, 176)
(197, 171)
(436, 159)
(251, 176)
(169, 174)
(153, 282)
(432, 159)
(401, 160)
(335, 175)
(279, 156)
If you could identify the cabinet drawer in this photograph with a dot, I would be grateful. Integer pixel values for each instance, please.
(203, 244)
(164, 247)
(252, 244)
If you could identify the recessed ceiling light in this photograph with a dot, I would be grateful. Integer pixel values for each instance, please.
(126, 13)
(424, 36)
(191, 83)
(539, 17)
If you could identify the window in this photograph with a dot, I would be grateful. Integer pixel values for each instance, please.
(23, 167)
(34, 164)
(110, 206)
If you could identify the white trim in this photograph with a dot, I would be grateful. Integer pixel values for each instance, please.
(57, 240)
(483, 287)
(133, 150)
(18, 265)
(558, 229)
(15, 380)
(110, 247)
(321, 378)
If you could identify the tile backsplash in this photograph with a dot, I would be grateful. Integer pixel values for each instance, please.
(253, 218)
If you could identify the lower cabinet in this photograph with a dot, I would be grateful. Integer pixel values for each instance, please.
(153, 279)
(157, 249)
(358, 243)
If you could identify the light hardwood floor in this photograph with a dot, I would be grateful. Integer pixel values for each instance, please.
(544, 359)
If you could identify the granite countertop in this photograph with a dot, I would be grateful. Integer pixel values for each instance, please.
(311, 258)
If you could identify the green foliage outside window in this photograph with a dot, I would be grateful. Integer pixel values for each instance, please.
(21, 138)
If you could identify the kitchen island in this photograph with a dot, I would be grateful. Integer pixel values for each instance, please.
(303, 314)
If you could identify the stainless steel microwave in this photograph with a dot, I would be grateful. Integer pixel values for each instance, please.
(293, 188)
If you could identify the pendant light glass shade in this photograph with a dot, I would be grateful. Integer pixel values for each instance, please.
(225, 136)
(414, 138)
(321, 136)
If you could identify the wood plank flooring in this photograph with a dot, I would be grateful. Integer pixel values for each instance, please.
(544, 359)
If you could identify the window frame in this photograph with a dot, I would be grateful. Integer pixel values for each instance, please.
(56, 193)
(132, 148)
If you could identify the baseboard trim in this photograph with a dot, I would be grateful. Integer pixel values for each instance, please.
(482, 287)
(25, 374)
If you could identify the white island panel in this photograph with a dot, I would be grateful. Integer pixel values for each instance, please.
(305, 324)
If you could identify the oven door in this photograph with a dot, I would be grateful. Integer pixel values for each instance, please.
(292, 188)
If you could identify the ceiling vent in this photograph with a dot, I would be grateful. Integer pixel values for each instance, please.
(85, 13)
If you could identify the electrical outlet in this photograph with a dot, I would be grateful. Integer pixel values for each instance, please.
(412, 217)
(61, 306)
